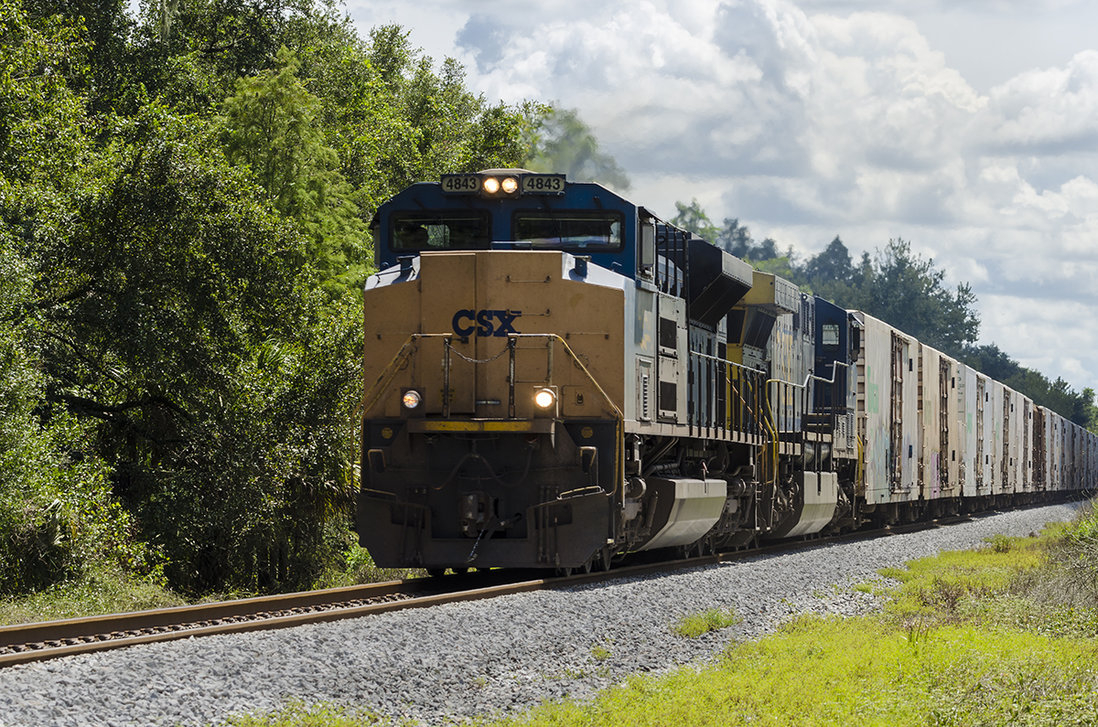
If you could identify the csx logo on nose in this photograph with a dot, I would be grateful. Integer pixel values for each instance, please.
(485, 322)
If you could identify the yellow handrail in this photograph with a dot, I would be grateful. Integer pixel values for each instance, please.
(381, 385)
(371, 397)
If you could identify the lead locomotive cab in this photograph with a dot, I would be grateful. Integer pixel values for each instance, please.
(495, 368)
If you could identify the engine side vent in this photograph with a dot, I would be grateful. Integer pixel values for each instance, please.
(669, 392)
(668, 337)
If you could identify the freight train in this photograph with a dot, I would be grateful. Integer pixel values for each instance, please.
(555, 378)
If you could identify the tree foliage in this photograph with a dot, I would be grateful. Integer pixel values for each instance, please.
(272, 129)
(560, 142)
(906, 290)
(692, 217)
(183, 208)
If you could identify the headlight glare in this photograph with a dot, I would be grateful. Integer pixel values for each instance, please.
(545, 398)
(509, 185)
(491, 185)
(411, 399)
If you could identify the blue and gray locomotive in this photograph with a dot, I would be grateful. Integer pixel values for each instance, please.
(555, 377)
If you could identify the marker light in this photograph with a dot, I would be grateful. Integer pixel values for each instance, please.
(491, 185)
(411, 399)
(509, 185)
(544, 398)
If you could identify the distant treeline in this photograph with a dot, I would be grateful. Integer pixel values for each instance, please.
(904, 290)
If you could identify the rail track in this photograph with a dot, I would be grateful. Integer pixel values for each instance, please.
(30, 642)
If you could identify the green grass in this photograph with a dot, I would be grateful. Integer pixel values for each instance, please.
(322, 715)
(359, 567)
(1004, 635)
(996, 636)
(694, 625)
(830, 671)
(110, 590)
(941, 588)
(105, 591)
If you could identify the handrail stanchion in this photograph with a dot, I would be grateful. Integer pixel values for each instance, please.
(511, 376)
(446, 343)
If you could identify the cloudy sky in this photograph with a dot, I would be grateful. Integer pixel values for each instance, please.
(967, 127)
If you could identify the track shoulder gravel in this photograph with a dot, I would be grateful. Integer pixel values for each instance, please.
(460, 660)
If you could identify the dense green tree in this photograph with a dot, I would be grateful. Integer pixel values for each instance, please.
(906, 290)
(272, 128)
(734, 238)
(57, 513)
(182, 209)
(831, 273)
(561, 142)
(693, 218)
(1087, 410)
(393, 120)
(193, 334)
(97, 69)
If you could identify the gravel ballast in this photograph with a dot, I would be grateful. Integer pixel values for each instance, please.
(446, 663)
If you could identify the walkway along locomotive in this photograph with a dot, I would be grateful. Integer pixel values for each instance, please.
(555, 377)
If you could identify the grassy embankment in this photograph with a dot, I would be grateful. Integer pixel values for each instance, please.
(1004, 635)
(109, 590)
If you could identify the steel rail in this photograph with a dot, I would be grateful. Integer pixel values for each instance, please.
(31, 642)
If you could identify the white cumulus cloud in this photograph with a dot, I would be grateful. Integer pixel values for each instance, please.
(815, 118)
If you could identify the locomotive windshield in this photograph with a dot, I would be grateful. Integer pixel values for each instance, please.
(509, 209)
(570, 231)
(441, 231)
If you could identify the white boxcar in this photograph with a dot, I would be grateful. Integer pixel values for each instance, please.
(997, 423)
(984, 418)
(1074, 472)
(888, 407)
(942, 424)
(966, 402)
(1056, 451)
(954, 419)
(1023, 459)
(930, 423)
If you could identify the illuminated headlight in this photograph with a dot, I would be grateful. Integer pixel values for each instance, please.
(545, 398)
(411, 399)
(509, 185)
(491, 185)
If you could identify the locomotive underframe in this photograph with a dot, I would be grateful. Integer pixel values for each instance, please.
(461, 493)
